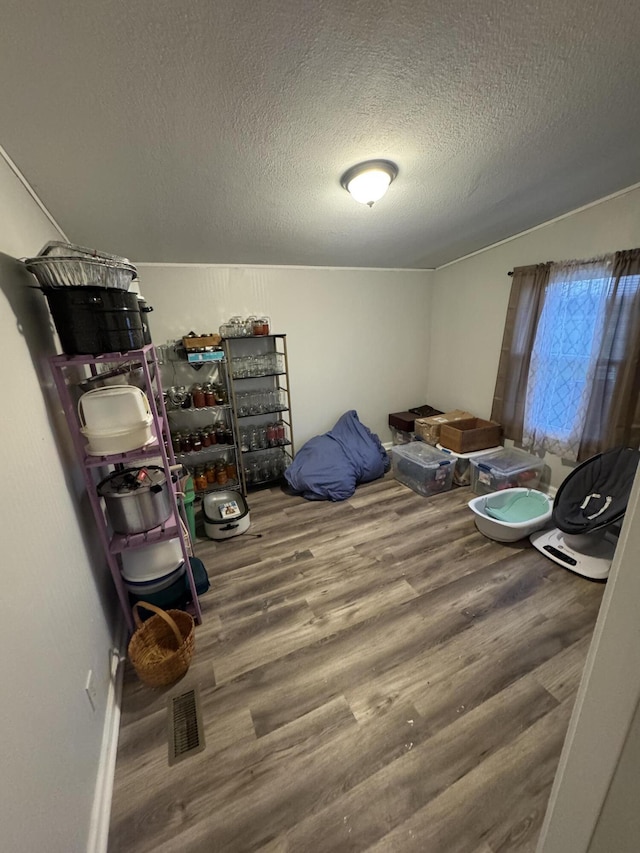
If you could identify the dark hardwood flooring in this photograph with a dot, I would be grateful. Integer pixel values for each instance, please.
(375, 675)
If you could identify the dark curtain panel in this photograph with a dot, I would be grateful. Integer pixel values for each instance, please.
(523, 313)
(613, 415)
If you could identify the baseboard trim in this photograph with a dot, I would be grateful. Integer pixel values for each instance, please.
(101, 810)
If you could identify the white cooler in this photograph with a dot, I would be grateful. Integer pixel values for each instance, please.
(226, 514)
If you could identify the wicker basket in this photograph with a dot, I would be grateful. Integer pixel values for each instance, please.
(162, 647)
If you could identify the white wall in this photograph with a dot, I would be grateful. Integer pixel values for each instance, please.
(356, 339)
(52, 626)
(470, 300)
(594, 800)
(618, 826)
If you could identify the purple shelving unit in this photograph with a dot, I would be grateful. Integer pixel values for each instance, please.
(93, 467)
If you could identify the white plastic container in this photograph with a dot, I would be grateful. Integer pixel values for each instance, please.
(462, 471)
(113, 408)
(508, 468)
(505, 531)
(151, 562)
(118, 440)
(423, 468)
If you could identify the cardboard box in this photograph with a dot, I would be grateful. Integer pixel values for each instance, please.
(429, 428)
(468, 435)
(200, 342)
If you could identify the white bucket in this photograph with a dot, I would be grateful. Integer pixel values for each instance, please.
(116, 407)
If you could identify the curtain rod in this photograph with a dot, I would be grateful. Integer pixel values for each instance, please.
(584, 263)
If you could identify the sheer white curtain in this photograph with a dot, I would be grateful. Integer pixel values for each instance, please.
(565, 356)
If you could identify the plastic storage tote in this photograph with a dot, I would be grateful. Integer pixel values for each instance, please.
(508, 468)
(400, 436)
(462, 473)
(423, 468)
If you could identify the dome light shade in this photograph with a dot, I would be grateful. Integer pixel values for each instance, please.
(368, 182)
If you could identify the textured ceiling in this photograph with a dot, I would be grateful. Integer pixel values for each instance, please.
(216, 131)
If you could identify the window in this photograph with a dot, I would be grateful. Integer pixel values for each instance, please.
(564, 357)
(570, 364)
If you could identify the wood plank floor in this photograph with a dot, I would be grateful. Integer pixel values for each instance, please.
(374, 674)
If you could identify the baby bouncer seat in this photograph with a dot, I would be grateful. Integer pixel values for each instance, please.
(586, 511)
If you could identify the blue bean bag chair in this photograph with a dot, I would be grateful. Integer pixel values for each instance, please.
(330, 466)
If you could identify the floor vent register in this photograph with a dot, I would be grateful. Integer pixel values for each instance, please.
(186, 733)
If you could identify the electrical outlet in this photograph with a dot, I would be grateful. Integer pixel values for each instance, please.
(90, 690)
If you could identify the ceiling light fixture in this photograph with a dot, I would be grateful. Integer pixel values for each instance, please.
(368, 182)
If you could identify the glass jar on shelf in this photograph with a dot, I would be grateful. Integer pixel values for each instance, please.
(261, 326)
(199, 479)
(281, 460)
(209, 394)
(210, 473)
(221, 473)
(266, 470)
(243, 400)
(196, 442)
(237, 327)
(197, 396)
(241, 366)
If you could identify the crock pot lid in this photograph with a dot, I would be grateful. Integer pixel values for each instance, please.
(123, 483)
